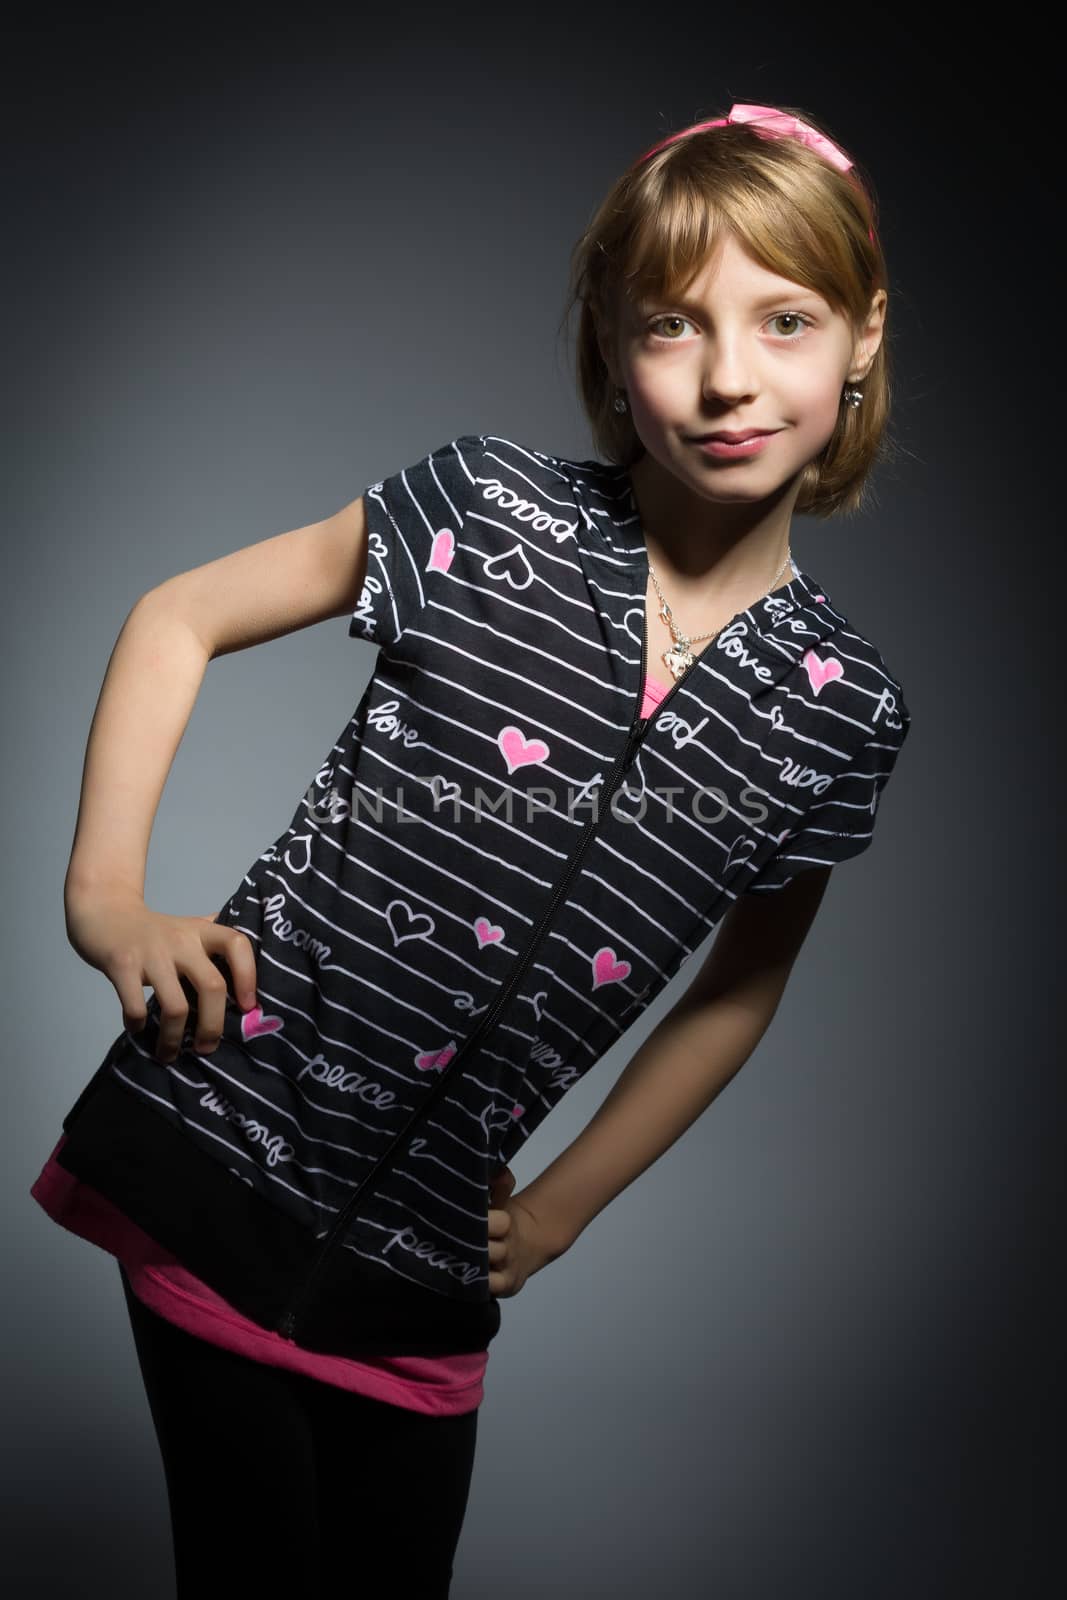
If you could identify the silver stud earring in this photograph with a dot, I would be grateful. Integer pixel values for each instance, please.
(620, 401)
(853, 397)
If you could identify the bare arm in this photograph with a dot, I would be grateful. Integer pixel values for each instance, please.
(149, 690)
(683, 1064)
(157, 666)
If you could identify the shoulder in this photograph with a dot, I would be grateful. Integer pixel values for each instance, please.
(868, 665)
(559, 496)
(847, 673)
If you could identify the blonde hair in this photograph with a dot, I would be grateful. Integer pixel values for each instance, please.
(798, 215)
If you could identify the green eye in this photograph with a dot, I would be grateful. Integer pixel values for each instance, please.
(791, 316)
(674, 319)
(671, 317)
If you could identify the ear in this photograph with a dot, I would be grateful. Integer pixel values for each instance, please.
(607, 354)
(866, 347)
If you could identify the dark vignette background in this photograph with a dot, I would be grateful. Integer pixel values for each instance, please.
(248, 272)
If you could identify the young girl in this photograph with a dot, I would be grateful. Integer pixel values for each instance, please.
(609, 714)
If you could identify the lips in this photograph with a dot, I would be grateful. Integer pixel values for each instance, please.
(735, 438)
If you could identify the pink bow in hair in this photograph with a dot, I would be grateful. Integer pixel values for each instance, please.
(778, 125)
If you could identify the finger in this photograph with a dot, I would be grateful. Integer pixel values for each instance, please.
(173, 1009)
(498, 1282)
(209, 1003)
(125, 975)
(236, 950)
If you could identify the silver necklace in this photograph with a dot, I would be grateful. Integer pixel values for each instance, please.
(680, 657)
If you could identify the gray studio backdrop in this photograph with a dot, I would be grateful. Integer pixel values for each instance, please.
(252, 276)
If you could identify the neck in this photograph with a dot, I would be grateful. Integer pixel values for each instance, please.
(715, 552)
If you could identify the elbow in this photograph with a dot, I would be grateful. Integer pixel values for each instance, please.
(170, 610)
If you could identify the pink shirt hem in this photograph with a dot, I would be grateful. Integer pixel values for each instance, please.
(438, 1386)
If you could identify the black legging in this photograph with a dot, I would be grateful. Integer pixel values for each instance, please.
(281, 1485)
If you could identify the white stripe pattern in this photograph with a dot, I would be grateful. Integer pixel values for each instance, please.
(505, 594)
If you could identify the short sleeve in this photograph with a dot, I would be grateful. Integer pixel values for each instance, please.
(840, 824)
(414, 520)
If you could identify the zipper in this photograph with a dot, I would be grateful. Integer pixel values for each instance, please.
(286, 1323)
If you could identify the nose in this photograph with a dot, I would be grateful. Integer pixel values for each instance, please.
(729, 369)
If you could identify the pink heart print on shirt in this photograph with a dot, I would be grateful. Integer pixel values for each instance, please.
(429, 1060)
(820, 673)
(519, 751)
(441, 551)
(487, 932)
(607, 969)
(254, 1023)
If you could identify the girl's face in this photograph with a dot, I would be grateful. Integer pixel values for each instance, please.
(743, 348)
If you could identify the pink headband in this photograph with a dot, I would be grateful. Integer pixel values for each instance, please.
(778, 125)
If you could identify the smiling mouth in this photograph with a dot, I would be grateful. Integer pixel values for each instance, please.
(721, 437)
